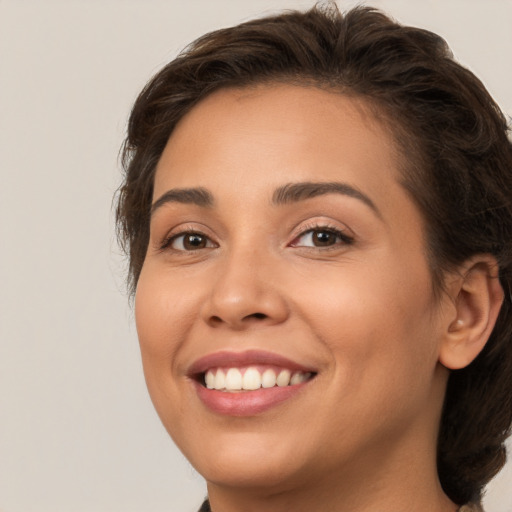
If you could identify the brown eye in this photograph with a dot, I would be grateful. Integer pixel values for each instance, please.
(190, 242)
(194, 241)
(322, 237)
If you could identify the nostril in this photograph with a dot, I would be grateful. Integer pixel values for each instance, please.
(216, 320)
(258, 316)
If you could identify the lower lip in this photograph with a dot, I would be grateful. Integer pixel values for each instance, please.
(246, 403)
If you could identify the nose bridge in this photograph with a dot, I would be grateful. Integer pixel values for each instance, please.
(245, 290)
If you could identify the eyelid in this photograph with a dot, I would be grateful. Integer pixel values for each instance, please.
(322, 225)
(173, 239)
(163, 243)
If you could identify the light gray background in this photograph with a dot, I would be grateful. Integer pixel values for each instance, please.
(77, 430)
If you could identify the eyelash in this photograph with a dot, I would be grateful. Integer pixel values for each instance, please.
(325, 228)
(338, 233)
(168, 241)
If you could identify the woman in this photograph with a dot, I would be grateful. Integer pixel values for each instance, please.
(317, 211)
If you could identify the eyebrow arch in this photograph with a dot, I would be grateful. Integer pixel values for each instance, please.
(289, 193)
(294, 192)
(198, 196)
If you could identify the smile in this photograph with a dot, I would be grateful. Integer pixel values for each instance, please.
(252, 378)
(247, 383)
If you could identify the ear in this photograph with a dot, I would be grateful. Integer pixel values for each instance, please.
(477, 296)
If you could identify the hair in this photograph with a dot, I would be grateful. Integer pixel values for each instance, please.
(455, 162)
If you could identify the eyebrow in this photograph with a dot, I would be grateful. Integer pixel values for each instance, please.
(198, 196)
(294, 192)
(289, 193)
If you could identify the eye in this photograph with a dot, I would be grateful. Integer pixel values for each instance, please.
(321, 237)
(190, 241)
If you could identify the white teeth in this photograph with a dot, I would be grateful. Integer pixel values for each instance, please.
(299, 378)
(268, 379)
(231, 379)
(220, 380)
(283, 379)
(210, 379)
(252, 379)
(295, 379)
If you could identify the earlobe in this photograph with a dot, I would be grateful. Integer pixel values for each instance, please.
(477, 295)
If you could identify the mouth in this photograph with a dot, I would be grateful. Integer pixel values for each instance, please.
(248, 383)
(252, 378)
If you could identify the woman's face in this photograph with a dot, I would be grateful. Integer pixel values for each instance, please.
(282, 245)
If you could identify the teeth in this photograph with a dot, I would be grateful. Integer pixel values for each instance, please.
(299, 378)
(283, 379)
(233, 380)
(268, 379)
(252, 379)
(210, 380)
(220, 380)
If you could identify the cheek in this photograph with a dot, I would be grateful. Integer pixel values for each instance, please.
(162, 317)
(375, 321)
(158, 306)
(383, 352)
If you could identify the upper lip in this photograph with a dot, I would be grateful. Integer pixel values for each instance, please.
(229, 359)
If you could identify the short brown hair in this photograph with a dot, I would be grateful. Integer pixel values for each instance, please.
(457, 166)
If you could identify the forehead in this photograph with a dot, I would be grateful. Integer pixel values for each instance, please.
(273, 134)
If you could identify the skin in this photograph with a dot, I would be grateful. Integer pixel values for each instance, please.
(361, 436)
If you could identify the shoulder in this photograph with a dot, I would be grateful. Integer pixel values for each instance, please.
(475, 507)
(205, 507)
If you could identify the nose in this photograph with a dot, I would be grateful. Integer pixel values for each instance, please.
(245, 293)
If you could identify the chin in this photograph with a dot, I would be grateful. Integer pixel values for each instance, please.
(248, 460)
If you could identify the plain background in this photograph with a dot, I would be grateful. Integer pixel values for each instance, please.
(77, 429)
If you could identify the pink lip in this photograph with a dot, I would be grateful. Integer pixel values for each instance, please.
(227, 359)
(244, 403)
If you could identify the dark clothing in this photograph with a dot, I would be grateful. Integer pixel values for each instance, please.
(205, 507)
